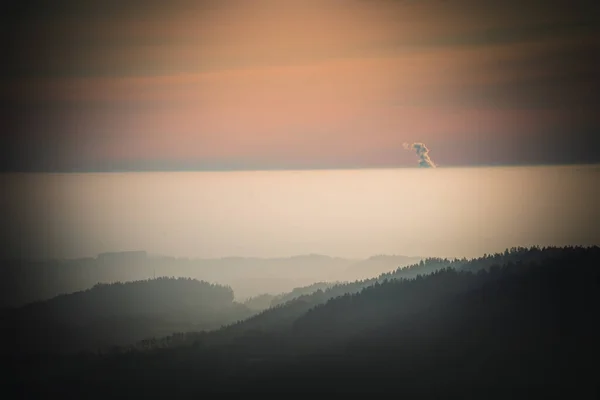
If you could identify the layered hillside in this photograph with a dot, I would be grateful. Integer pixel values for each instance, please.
(489, 326)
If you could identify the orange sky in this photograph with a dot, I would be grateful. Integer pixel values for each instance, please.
(284, 84)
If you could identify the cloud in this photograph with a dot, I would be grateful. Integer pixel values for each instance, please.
(422, 153)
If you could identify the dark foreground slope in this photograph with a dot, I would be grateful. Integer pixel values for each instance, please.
(511, 330)
(118, 314)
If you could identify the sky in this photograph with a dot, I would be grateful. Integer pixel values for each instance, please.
(270, 84)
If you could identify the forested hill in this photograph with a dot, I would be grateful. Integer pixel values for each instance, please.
(516, 328)
(282, 316)
(121, 314)
(301, 291)
(24, 281)
(528, 326)
(152, 296)
(265, 300)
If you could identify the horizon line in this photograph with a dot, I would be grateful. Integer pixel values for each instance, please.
(363, 258)
(199, 258)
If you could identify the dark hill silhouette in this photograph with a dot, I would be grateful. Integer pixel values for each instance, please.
(518, 326)
(121, 313)
(496, 326)
(24, 281)
(283, 315)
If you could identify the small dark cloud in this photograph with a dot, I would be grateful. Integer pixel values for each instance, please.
(423, 153)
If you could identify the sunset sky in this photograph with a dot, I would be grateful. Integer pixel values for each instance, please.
(278, 84)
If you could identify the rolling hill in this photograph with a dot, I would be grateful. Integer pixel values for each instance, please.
(513, 324)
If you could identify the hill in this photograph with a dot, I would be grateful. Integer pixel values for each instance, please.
(498, 323)
(283, 315)
(518, 326)
(120, 314)
(377, 265)
(25, 281)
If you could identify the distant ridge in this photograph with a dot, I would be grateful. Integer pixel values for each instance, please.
(122, 255)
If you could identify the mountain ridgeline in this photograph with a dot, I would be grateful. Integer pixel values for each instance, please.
(492, 326)
(284, 313)
(24, 281)
(264, 301)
